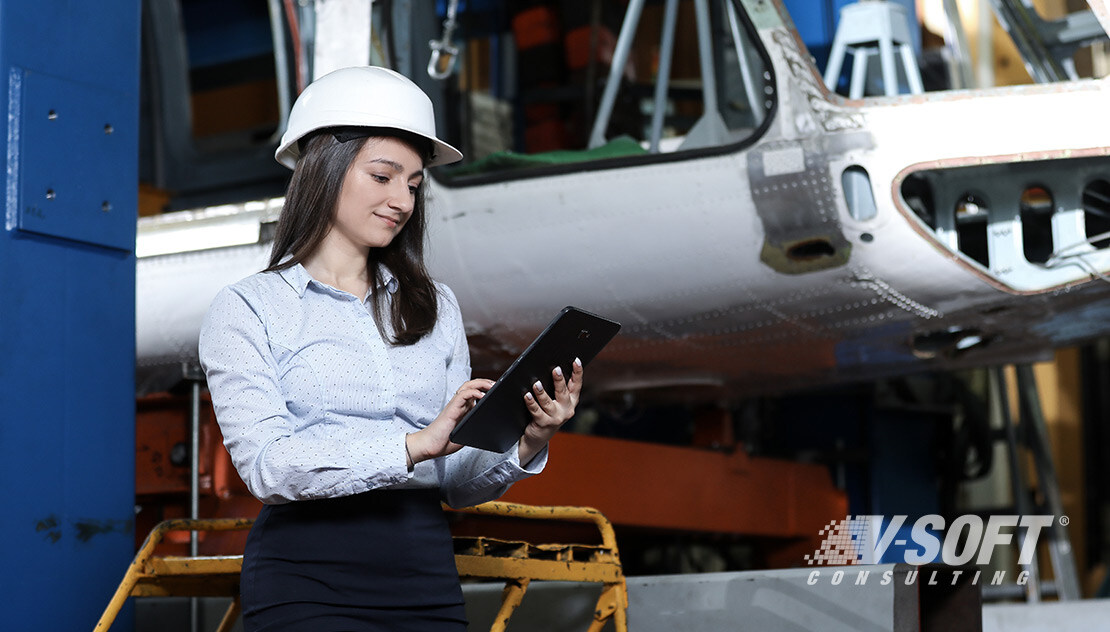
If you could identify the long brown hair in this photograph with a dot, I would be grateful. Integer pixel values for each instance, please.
(308, 213)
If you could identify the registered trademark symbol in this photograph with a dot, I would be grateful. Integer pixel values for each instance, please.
(1064, 520)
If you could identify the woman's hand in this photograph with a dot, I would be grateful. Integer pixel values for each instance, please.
(435, 440)
(548, 415)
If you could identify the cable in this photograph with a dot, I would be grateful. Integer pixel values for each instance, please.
(1059, 254)
(1058, 258)
(295, 35)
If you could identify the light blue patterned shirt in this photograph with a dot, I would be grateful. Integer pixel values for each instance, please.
(313, 403)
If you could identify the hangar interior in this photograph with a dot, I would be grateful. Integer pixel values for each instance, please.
(722, 456)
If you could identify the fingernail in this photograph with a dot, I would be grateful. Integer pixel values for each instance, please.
(578, 362)
(538, 386)
(528, 396)
(559, 371)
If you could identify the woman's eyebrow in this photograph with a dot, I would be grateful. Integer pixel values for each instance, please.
(396, 166)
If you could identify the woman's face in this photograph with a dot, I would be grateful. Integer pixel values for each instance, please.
(377, 196)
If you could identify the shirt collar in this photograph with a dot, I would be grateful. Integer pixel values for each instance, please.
(298, 278)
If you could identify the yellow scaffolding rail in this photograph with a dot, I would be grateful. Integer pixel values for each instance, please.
(152, 575)
(517, 563)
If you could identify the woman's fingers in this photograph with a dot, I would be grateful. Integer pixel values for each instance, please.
(547, 410)
(561, 389)
(561, 406)
(470, 392)
(468, 398)
(568, 390)
(470, 385)
(549, 414)
(532, 405)
(575, 384)
(435, 438)
(542, 398)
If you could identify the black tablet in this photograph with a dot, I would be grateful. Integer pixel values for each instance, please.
(498, 420)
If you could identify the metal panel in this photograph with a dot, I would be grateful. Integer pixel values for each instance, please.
(67, 315)
(872, 598)
(788, 600)
(1089, 614)
(63, 152)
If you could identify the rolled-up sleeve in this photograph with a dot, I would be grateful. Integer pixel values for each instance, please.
(279, 457)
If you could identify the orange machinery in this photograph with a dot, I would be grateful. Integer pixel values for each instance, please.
(640, 487)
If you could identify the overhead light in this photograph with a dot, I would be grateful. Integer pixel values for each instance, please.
(204, 229)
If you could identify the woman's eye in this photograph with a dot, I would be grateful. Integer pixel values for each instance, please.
(381, 179)
(412, 189)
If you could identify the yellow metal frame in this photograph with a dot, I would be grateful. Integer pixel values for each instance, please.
(518, 563)
(164, 576)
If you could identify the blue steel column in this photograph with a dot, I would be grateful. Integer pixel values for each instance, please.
(67, 308)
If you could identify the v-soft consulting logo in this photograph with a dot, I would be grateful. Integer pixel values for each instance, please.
(871, 539)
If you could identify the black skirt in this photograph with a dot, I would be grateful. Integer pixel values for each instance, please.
(381, 560)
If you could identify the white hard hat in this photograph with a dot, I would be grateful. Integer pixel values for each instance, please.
(363, 96)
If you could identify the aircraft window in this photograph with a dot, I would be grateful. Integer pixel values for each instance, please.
(1036, 207)
(858, 194)
(556, 85)
(1096, 213)
(972, 212)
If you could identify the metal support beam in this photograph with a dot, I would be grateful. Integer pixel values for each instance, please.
(1047, 47)
(195, 376)
(710, 129)
(663, 77)
(67, 319)
(755, 98)
(1018, 486)
(1030, 431)
(616, 70)
(1032, 418)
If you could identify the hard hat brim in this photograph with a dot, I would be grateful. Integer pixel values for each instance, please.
(443, 153)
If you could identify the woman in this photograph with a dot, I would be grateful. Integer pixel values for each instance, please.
(338, 373)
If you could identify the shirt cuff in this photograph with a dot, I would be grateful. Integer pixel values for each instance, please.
(535, 466)
(386, 469)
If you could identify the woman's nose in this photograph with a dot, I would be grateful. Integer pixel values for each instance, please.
(400, 197)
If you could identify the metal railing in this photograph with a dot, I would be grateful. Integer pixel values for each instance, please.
(517, 563)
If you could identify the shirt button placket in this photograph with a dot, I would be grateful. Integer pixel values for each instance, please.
(379, 357)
